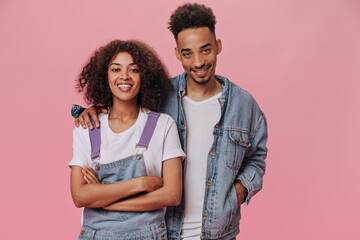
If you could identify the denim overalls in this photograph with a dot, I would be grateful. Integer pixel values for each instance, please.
(101, 224)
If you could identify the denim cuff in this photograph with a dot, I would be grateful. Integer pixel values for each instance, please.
(247, 182)
(76, 110)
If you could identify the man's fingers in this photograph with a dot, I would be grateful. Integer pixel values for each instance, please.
(81, 121)
(94, 116)
(88, 121)
(77, 124)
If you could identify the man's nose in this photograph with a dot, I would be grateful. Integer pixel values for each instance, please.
(198, 60)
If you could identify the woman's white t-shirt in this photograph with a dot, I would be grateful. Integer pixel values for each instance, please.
(164, 143)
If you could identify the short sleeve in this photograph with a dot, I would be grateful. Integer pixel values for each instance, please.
(81, 147)
(172, 146)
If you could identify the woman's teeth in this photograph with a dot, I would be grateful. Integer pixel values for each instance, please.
(123, 85)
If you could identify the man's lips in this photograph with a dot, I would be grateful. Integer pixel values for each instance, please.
(201, 72)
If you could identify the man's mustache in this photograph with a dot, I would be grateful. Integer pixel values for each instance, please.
(201, 67)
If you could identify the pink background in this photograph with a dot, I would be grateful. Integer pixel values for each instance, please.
(299, 58)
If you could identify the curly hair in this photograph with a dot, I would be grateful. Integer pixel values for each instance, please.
(155, 83)
(191, 15)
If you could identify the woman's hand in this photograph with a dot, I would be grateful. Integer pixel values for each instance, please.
(90, 175)
(148, 183)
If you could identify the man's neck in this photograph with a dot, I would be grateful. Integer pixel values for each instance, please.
(198, 92)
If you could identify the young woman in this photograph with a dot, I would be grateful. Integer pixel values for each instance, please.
(127, 171)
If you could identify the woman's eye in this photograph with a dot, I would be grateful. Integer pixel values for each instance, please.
(115, 70)
(134, 70)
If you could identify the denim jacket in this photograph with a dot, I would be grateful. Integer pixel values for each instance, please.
(238, 153)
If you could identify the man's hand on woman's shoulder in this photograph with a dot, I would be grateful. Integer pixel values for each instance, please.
(84, 118)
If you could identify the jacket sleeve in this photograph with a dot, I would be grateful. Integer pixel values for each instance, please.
(76, 110)
(252, 168)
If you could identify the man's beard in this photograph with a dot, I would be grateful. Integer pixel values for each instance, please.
(204, 81)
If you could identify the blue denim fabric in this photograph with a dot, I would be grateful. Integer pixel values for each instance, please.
(238, 153)
(104, 224)
(76, 110)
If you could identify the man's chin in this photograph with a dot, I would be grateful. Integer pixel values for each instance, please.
(201, 81)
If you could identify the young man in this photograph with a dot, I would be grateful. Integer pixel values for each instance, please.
(221, 128)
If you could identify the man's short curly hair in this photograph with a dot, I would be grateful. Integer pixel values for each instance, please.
(155, 83)
(190, 16)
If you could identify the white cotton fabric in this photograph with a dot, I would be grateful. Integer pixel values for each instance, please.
(201, 117)
(164, 144)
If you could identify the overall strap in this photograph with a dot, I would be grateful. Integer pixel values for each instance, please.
(148, 131)
(95, 139)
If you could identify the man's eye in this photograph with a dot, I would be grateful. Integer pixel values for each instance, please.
(186, 54)
(206, 51)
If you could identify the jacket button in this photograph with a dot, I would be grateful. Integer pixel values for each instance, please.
(217, 125)
(82, 232)
(97, 167)
(162, 225)
(209, 184)
(182, 122)
(177, 215)
(212, 154)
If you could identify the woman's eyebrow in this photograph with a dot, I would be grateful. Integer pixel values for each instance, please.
(118, 64)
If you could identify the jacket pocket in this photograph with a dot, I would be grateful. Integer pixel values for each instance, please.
(238, 142)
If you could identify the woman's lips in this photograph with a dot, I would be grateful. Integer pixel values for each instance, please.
(124, 87)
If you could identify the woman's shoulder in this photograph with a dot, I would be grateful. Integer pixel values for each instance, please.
(164, 120)
(79, 131)
(163, 117)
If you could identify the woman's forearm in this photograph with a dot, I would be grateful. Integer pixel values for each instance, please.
(100, 195)
(160, 198)
(168, 195)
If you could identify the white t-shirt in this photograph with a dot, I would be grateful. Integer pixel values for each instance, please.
(201, 117)
(164, 144)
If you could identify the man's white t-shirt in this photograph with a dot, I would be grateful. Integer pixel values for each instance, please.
(201, 117)
(164, 144)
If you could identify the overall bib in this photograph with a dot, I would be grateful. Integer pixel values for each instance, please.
(101, 224)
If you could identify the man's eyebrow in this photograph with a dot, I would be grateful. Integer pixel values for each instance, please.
(185, 50)
(203, 46)
(206, 45)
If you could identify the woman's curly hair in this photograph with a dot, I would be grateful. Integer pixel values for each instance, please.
(190, 16)
(155, 83)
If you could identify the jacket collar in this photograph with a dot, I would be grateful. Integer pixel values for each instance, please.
(223, 80)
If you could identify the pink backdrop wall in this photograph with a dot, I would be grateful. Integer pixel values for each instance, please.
(299, 58)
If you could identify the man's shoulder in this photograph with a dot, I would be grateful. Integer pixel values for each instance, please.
(175, 80)
(235, 91)
(239, 92)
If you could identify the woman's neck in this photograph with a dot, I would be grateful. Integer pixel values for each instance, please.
(123, 115)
